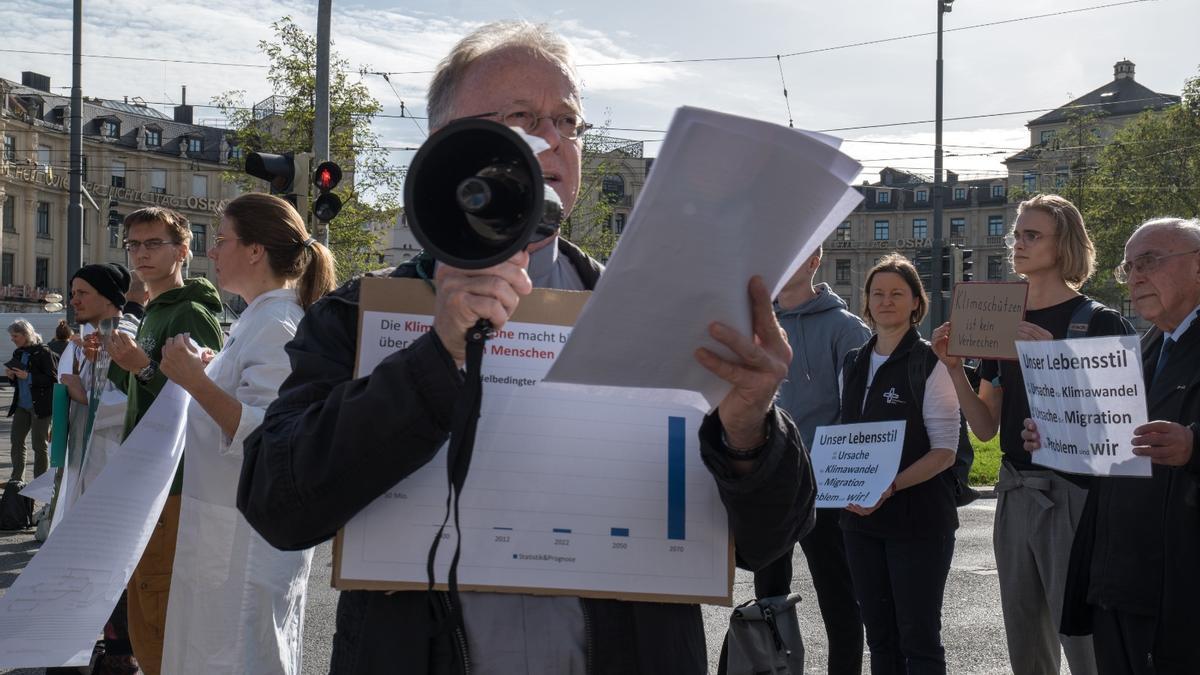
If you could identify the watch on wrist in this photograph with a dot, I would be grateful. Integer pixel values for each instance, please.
(146, 374)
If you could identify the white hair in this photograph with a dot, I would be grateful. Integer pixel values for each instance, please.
(539, 39)
(1188, 228)
(25, 328)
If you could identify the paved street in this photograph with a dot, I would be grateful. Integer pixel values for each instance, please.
(973, 629)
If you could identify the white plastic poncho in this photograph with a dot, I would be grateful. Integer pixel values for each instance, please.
(236, 603)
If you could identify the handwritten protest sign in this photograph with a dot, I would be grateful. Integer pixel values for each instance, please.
(1086, 396)
(984, 317)
(855, 463)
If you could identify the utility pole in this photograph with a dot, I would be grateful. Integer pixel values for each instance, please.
(937, 305)
(321, 121)
(75, 203)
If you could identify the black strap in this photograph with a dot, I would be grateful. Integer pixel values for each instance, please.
(458, 462)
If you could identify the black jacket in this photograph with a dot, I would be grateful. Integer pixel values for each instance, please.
(43, 373)
(1137, 547)
(328, 447)
(927, 508)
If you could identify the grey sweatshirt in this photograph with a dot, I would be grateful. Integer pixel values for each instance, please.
(821, 331)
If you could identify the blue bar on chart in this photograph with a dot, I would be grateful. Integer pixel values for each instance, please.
(562, 530)
(675, 477)
(620, 531)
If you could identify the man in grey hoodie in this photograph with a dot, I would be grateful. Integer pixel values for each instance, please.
(821, 330)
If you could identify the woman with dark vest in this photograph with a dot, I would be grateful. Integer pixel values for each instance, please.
(899, 549)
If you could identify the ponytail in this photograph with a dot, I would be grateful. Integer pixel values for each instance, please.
(319, 276)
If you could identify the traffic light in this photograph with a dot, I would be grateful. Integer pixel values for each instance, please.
(965, 264)
(114, 217)
(327, 204)
(947, 267)
(280, 172)
(923, 261)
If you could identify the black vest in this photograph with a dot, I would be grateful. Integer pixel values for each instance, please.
(924, 509)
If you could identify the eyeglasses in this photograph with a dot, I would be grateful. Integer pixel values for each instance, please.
(568, 125)
(1144, 264)
(1028, 237)
(221, 239)
(132, 245)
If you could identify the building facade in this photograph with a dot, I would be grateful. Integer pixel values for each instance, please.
(134, 156)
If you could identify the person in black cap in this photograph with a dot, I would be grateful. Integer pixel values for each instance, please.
(98, 293)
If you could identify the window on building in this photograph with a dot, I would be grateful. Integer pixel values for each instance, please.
(883, 197)
(42, 273)
(10, 148)
(153, 138)
(960, 194)
(881, 230)
(114, 234)
(613, 186)
(8, 269)
(83, 166)
(922, 195)
(843, 232)
(158, 181)
(920, 228)
(195, 146)
(958, 227)
(1047, 136)
(1029, 181)
(620, 223)
(235, 152)
(199, 239)
(43, 155)
(997, 190)
(995, 267)
(110, 129)
(10, 214)
(118, 174)
(83, 227)
(1061, 174)
(43, 220)
(200, 186)
(995, 226)
(842, 272)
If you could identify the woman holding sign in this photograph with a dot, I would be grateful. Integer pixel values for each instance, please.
(237, 603)
(899, 549)
(1038, 509)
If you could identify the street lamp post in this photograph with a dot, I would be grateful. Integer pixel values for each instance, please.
(938, 306)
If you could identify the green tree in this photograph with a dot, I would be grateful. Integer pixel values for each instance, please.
(370, 186)
(1150, 168)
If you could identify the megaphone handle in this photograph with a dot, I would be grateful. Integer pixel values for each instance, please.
(482, 331)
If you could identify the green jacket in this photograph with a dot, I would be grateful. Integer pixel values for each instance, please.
(192, 308)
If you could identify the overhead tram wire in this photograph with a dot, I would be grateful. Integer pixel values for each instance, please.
(786, 101)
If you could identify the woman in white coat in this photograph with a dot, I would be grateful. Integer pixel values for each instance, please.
(236, 604)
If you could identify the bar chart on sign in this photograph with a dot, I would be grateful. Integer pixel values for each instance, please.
(570, 491)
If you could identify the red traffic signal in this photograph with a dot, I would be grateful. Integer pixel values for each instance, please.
(327, 204)
(327, 176)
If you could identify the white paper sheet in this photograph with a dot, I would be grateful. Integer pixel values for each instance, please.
(1087, 396)
(855, 463)
(728, 198)
(55, 610)
(570, 491)
(41, 488)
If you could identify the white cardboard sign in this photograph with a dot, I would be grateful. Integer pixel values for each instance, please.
(855, 463)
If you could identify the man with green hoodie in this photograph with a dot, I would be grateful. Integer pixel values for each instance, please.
(158, 242)
(821, 330)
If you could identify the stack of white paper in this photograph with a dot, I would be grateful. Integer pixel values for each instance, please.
(728, 198)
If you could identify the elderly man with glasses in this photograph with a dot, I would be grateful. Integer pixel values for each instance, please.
(1134, 579)
(331, 444)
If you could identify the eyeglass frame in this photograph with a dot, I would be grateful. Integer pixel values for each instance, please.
(1010, 239)
(1121, 272)
(581, 128)
(219, 239)
(132, 245)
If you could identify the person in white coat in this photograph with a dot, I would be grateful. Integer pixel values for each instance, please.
(237, 603)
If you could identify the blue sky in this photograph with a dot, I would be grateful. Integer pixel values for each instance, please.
(1026, 65)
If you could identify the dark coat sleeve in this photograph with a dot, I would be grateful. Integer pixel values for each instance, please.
(331, 443)
(770, 508)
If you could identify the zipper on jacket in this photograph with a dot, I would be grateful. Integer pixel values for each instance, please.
(588, 667)
(460, 640)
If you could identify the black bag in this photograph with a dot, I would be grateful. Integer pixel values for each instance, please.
(16, 512)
